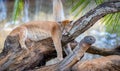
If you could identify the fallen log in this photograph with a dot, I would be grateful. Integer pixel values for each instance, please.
(72, 58)
(108, 63)
(17, 59)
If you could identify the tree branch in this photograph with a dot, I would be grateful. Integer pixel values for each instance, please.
(71, 59)
(103, 52)
(99, 51)
(89, 19)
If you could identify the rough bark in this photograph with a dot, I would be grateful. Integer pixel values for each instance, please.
(16, 59)
(108, 63)
(71, 59)
(89, 19)
(103, 52)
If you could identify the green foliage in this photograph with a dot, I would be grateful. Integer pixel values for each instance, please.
(99, 1)
(18, 7)
(111, 21)
(79, 7)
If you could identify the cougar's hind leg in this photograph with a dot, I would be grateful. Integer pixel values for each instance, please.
(23, 36)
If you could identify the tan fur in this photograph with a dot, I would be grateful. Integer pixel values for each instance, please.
(66, 26)
(39, 30)
(65, 22)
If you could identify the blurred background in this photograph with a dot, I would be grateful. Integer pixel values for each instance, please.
(16, 12)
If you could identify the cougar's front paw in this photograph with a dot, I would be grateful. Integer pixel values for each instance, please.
(24, 47)
(59, 59)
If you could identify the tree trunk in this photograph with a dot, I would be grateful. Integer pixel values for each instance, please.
(17, 59)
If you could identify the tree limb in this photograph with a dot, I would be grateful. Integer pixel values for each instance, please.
(103, 52)
(100, 51)
(89, 19)
(71, 59)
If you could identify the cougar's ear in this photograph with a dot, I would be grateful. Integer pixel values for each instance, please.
(62, 23)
